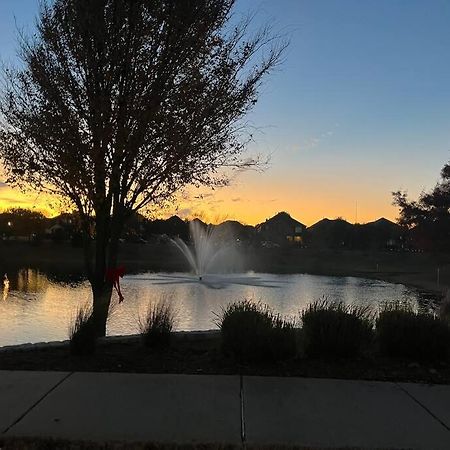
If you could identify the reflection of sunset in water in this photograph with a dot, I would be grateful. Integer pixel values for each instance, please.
(38, 309)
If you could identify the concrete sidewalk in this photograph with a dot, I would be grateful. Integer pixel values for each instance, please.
(317, 413)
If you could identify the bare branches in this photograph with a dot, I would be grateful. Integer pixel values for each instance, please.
(120, 104)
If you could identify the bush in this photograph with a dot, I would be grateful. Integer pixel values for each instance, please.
(82, 333)
(157, 324)
(283, 340)
(251, 332)
(335, 329)
(402, 332)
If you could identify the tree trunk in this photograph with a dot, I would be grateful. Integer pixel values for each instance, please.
(106, 250)
(101, 301)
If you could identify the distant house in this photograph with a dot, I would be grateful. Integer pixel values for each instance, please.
(61, 228)
(55, 228)
(382, 234)
(331, 233)
(281, 229)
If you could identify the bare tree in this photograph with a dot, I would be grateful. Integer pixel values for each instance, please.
(121, 103)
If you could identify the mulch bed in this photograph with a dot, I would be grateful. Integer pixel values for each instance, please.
(203, 355)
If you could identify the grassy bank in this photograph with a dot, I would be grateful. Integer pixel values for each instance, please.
(327, 340)
(415, 269)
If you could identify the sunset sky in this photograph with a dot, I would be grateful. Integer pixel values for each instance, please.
(360, 108)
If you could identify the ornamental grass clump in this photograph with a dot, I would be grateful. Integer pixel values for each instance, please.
(82, 334)
(284, 338)
(251, 332)
(156, 324)
(405, 333)
(334, 329)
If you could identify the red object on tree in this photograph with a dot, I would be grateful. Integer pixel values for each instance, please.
(114, 275)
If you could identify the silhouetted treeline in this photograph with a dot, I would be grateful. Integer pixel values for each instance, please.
(277, 231)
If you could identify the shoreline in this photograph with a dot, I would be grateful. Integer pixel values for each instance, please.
(188, 336)
(408, 279)
(200, 353)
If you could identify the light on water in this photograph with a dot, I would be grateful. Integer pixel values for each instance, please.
(39, 308)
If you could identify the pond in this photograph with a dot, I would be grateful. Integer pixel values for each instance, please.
(38, 307)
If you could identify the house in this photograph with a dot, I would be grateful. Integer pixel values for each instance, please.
(281, 229)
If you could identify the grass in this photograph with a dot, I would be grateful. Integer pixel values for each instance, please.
(252, 332)
(405, 333)
(333, 329)
(81, 332)
(156, 324)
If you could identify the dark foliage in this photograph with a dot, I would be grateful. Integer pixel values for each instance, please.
(157, 324)
(251, 332)
(82, 333)
(333, 329)
(402, 332)
(428, 218)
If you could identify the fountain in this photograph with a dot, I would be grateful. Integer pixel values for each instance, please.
(213, 259)
(206, 248)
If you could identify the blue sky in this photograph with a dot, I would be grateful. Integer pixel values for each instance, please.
(360, 107)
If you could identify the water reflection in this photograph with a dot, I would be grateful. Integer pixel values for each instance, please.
(39, 305)
(29, 280)
(5, 287)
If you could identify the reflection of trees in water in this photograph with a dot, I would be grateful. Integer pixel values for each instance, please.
(5, 287)
(30, 280)
(37, 280)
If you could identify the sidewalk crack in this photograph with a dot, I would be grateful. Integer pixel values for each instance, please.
(423, 406)
(36, 403)
(242, 404)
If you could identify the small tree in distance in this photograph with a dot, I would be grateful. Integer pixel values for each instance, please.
(121, 103)
(429, 216)
(22, 222)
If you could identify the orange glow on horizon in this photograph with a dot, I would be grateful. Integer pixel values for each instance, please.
(13, 198)
(246, 205)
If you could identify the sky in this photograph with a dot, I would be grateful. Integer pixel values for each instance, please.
(359, 108)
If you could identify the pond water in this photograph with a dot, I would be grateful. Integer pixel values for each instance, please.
(37, 307)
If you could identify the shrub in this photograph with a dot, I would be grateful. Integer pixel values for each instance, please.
(156, 324)
(251, 332)
(81, 332)
(283, 340)
(335, 329)
(402, 332)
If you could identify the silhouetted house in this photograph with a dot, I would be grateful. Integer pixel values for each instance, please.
(381, 234)
(330, 233)
(281, 229)
(232, 230)
(170, 228)
(55, 228)
(61, 228)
